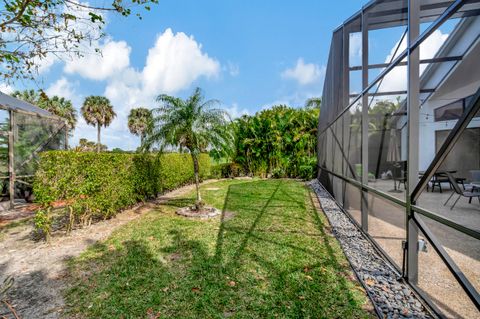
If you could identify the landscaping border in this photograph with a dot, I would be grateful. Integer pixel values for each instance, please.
(391, 296)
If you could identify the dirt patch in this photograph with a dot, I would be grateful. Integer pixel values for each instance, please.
(39, 268)
(212, 189)
(191, 212)
(227, 216)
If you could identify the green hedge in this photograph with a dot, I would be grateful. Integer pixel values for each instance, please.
(96, 186)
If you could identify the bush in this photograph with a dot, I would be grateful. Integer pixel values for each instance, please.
(96, 186)
(227, 170)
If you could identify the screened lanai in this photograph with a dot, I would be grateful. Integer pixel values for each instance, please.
(399, 141)
(25, 131)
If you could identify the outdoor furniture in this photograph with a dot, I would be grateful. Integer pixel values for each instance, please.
(399, 174)
(460, 192)
(475, 175)
(441, 177)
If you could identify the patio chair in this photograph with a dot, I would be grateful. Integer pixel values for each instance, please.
(399, 174)
(438, 179)
(461, 193)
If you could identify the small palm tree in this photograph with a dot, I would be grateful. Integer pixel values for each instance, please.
(140, 122)
(192, 124)
(98, 111)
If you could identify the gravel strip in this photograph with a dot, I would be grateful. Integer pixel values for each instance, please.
(392, 297)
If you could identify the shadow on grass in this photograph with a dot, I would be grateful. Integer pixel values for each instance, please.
(256, 265)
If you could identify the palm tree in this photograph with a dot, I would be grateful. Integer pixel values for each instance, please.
(313, 103)
(30, 96)
(55, 105)
(140, 122)
(61, 107)
(192, 124)
(98, 111)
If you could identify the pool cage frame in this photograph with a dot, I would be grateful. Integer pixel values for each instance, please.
(332, 112)
(16, 108)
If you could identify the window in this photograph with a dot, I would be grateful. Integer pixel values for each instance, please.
(453, 110)
(450, 111)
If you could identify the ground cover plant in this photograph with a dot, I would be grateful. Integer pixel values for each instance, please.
(267, 256)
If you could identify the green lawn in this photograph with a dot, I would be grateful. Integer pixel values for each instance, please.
(270, 257)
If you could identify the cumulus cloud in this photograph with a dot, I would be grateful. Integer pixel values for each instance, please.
(304, 73)
(396, 80)
(175, 61)
(114, 57)
(6, 88)
(62, 87)
(355, 47)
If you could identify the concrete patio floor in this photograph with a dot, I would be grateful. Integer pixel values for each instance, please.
(386, 225)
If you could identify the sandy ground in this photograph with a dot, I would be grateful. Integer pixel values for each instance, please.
(38, 268)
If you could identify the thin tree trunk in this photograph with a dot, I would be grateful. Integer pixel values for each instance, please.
(98, 137)
(197, 181)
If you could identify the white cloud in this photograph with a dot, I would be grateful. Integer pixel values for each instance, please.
(6, 88)
(62, 87)
(304, 73)
(396, 80)
(233, 69)
(355, 47)
(114, 57)
(175, 61)
(235, 111)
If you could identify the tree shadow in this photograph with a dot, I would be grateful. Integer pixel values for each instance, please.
(251, 269)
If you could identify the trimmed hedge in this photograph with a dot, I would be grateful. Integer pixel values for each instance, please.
(96, 186)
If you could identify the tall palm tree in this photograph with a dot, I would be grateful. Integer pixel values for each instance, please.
(140, 122)
(192, 124)
(98, 111)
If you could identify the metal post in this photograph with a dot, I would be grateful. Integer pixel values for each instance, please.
(11, 168)
(413, 110)
(345, 101)
(364, 203)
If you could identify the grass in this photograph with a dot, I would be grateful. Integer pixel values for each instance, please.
(268, 256)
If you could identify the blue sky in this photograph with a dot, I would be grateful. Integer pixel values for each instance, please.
(247, 54)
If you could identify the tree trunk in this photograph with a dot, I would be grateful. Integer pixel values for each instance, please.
(197, 181)
(98, 137)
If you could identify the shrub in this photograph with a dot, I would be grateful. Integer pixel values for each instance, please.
(97, 185)
(227, 170)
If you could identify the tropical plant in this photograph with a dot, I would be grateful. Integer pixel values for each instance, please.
(61, 107)
(97, 111)
(85, 145)
(30, 96)
(277, 142)
(193, 124)
(56, 105)
(140, 122)
(313, 103)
